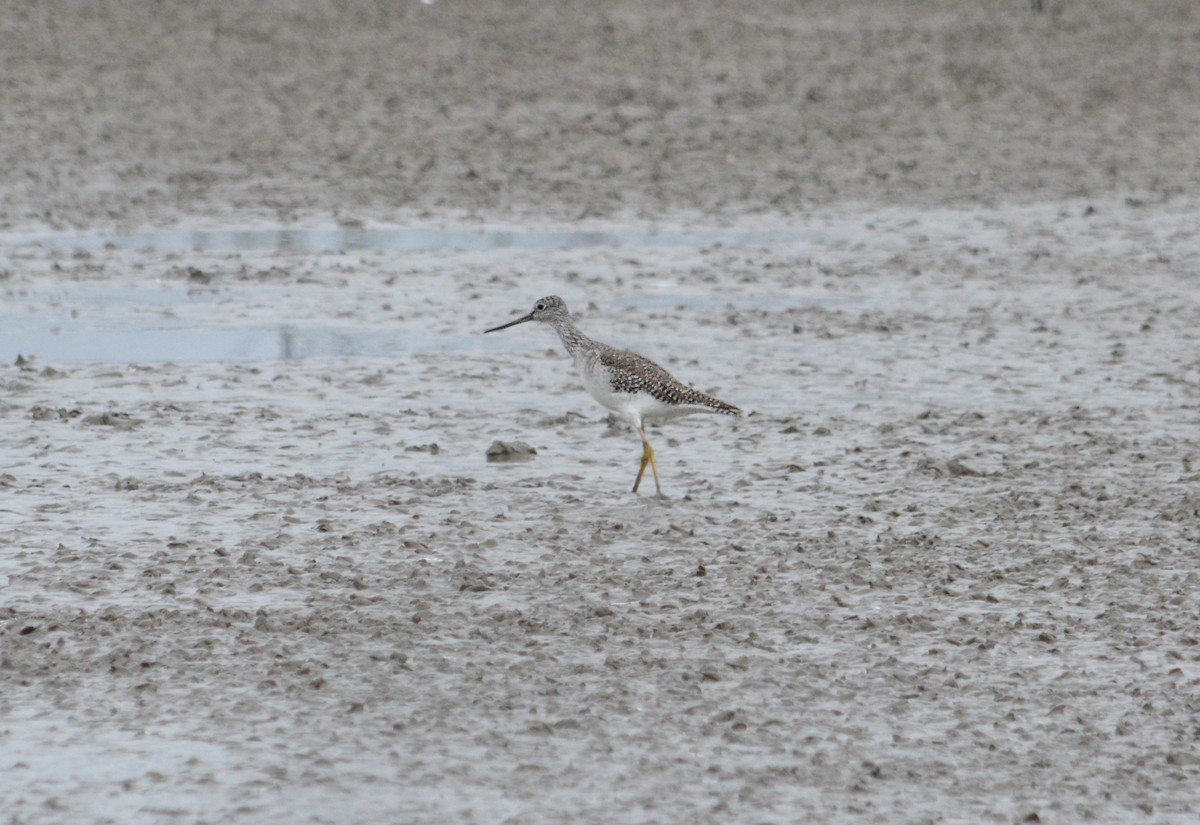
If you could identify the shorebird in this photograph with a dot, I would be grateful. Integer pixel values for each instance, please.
(625, 382)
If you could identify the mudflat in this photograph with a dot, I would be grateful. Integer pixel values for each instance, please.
(256, 567)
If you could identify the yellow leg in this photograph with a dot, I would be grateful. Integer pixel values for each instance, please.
(642, 469)
(654, 469)
(647, 458)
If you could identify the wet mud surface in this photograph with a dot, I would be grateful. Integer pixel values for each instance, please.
(943, 570)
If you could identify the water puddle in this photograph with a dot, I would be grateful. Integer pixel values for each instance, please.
(235, 344)
(98, 323)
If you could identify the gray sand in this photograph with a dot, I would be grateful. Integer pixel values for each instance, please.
(944, 570)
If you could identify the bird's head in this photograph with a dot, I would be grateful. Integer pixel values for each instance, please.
(548, 309)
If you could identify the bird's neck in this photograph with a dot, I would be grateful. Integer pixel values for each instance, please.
(571, 336)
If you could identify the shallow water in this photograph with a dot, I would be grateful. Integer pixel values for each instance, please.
(102, 322)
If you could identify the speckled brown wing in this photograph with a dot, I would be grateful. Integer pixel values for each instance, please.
(631, 373)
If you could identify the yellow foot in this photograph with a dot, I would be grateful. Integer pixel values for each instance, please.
(648, 458)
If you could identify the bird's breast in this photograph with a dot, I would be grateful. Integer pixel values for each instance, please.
(599, 385)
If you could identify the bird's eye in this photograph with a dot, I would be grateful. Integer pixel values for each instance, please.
(539, 306)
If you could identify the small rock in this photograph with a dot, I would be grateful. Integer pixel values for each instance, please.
(510, 451)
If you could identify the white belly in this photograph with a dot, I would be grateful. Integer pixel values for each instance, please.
(598, 387)
(634, 406)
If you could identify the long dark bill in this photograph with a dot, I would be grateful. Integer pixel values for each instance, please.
(528, 317)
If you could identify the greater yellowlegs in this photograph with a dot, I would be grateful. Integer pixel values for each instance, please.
(624, 381)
